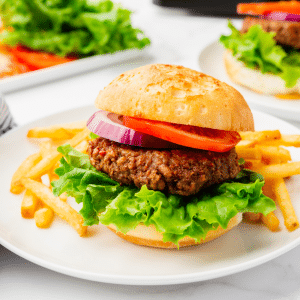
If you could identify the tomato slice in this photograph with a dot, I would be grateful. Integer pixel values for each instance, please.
(262, 8)
(37, 60)
(186, 135)
(9, 65)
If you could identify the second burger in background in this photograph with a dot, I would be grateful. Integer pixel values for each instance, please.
(162, 169)
(264, 55)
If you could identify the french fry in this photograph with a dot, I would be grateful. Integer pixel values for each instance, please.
(43, 166)
(79, 137)
(57, 132)
(268, 188)
(62, 209)
(52, 176)
(52, 133)
(81, 147)
(29, 205)
(253, 164)
(285, 140)
(260, 136)
(26, 165)
(38, 201)
(244, 144)
(274, 165)
(271, 221)
(47, 163)
(250, 217)
(249, 153)
(43, 217)
(290, 140)
(274, 154)
(284, 201)
(45, 147)
(55, 167)
(279, 170)
(63, 197)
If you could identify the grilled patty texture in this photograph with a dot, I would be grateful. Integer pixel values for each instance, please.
(182, 171)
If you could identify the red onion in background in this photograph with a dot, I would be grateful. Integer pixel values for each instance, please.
(282, 16)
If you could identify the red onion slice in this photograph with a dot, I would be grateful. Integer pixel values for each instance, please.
(110, 126)
(282, 16)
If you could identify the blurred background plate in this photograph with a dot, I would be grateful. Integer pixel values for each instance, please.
(211, 63)
(79, 66)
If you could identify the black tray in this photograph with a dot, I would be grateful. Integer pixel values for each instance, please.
(206, 7)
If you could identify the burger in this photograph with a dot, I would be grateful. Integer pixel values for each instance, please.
(264, 54)
(161, 168)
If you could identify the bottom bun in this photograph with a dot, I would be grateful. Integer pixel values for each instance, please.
(255, 80)
(149, 236)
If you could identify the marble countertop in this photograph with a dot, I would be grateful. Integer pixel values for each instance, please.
(178, 38)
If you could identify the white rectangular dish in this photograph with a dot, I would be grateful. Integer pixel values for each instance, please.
(82, 65)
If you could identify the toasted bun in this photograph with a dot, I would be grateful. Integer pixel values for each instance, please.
(178, 95)
(254, 79)
(149, 236)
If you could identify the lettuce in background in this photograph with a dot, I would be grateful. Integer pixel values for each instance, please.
(105, 201)
(70, 27)
(258, 50)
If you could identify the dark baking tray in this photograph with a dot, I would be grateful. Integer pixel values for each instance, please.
(206, 7)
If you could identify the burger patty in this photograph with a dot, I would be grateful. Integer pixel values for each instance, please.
(287, 33)
(181, 171)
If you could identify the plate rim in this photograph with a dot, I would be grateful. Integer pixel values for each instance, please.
(148, 279)
(274, 107)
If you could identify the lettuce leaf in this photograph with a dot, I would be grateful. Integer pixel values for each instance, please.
(257, 49)
(72, 27)
(104, 200)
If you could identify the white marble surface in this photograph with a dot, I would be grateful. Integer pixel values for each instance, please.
(177, 38)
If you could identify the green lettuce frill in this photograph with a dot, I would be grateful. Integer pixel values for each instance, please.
(257, 49)
(105, 201)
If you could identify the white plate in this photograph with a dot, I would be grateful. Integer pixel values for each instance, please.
(104, 257)
(78, 66)
(211, 63)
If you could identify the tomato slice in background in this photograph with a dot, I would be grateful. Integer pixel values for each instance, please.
(37, 60)
(262, 8)
(10, 65)
(186, 135)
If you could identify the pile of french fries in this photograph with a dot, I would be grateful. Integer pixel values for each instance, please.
(36, 172)
(265, 152)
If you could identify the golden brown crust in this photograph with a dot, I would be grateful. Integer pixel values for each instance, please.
(178, 95)
(149, 236)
